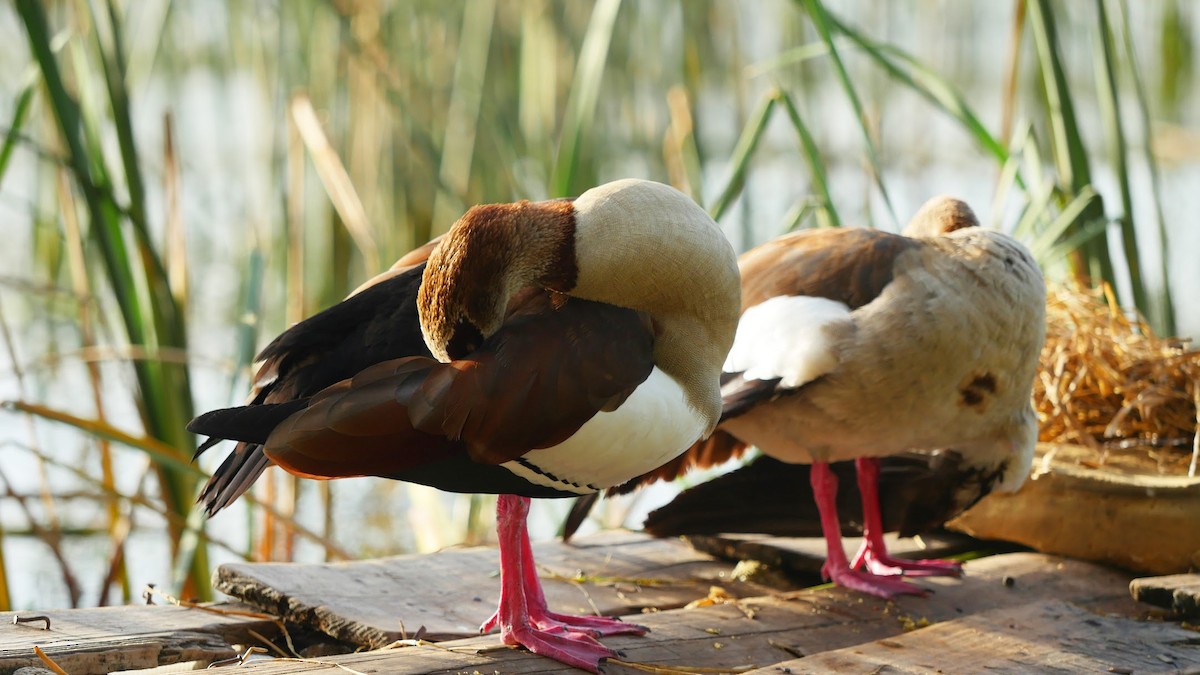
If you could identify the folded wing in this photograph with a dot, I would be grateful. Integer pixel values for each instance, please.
(551, 368)
(555, 363)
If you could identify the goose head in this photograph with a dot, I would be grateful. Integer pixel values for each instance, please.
(940, 215)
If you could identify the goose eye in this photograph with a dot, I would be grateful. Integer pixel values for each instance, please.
(466, 339)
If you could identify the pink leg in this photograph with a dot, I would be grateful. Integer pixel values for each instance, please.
(523, 617)
(873, 552)
(837, 568)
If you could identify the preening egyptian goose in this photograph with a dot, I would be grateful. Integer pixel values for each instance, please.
(856, 344)
(576, 344)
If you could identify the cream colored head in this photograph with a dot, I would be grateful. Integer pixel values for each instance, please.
(1007, 283)
(940, 215)
(632, 243)
(1023, 437)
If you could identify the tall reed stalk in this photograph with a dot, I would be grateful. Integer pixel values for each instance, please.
(117, 229)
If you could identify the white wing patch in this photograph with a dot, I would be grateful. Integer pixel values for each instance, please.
(785, 337)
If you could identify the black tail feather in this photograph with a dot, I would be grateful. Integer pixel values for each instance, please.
(208, 443)
(249, 425)
(236, 474)
(580, 509)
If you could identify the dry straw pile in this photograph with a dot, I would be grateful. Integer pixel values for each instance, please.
(1108, 383)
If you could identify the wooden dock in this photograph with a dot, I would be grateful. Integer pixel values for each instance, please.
(1011, 613)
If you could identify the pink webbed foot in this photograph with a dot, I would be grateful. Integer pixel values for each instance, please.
(880, 563)
(873, 584)
(873, 553)
(574, 649)
(523, 616)
(595, 625)
(555, 623)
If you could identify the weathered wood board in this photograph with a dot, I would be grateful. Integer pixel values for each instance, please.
(104, 639)
(1138, 522)
(1049, 636)
(376, 602)
(761, 631)
(1179, 593)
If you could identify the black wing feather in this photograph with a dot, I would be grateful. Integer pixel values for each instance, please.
(377, 324)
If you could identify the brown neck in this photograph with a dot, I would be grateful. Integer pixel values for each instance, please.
(490, 254)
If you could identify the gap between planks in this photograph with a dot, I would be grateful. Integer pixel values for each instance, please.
(105, 639)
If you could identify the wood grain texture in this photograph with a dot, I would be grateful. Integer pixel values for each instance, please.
(760, 631)
(1048, 636)
(1020, 612)
(804, 556)
(375, 602)
(105, 639)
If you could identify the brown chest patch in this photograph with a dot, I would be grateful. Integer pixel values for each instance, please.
(975, 391)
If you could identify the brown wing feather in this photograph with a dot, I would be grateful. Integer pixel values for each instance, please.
(551, 368)
(360, 426)
(277, 381)
(849, 265)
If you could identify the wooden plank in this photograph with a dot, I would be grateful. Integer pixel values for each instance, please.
(765, 630)
(1179, 593)
(104, 639)
(375, 602)
(804, 556)
(1048, 636)
(1139, 522)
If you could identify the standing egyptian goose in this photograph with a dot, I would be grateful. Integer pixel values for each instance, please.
(856, 344)
(576, 344)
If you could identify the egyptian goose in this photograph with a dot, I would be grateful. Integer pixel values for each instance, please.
(575, 344)
(856, 344)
